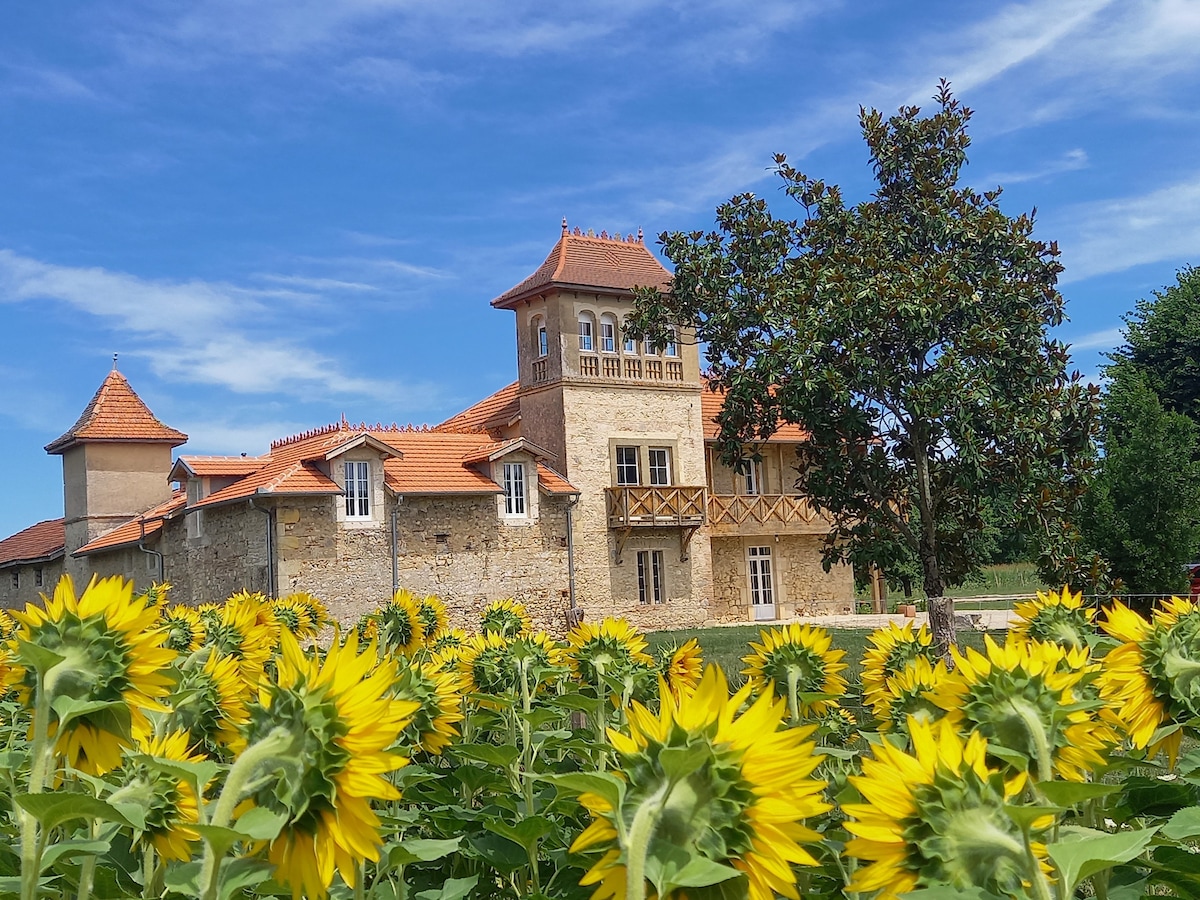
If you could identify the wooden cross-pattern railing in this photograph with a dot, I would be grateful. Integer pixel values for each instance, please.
(732, 512)
(680, 506)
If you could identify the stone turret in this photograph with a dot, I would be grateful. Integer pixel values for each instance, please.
(116, 459)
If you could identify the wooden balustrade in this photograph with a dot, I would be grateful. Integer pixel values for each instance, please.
(655, 506)
(763, 513)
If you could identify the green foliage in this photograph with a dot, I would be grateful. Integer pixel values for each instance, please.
(1143, 509)
(907, 334)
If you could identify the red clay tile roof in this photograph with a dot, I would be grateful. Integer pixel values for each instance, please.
(129, 533)
(586, 261)
(220, 466)
(43, 541)
(553, 483)
(433, 463)
(116, 413)
(498, 410)
(710, 405)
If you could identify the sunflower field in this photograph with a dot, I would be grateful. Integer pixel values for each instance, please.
(250, 749)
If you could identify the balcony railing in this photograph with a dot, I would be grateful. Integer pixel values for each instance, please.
(655, 506)
(678, 506)
(730, 513)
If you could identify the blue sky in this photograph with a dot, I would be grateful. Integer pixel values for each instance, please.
(280, 211)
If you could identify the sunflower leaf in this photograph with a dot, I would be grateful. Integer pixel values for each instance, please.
(107, 715)
(260, 824)
(527, 832)
(609, 787)
(52, 809)
(1184, 824)
(501, 757)
(1085, 852)
(71, 847)
(453, 889)
(37, 656)
(1068, 793)
(421, 850)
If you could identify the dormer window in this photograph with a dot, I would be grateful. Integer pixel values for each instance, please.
(358, 490)
(587, 333)
(608, 334)
(514, 489)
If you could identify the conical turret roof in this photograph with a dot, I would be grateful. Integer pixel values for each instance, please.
(116, 413)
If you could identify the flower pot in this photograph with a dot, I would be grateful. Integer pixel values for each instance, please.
(909, 611)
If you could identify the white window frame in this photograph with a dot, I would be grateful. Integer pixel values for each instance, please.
(608, 334)
(651, 572)
(515, 505)
(358, 489)
(752, 479)
(587, 334)
(658, 465)
(630, 345)
(624, 464)
(762, 576)
(672, 348)
(648, 348)
(542, 341)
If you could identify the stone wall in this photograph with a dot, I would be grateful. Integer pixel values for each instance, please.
(801, 586)
(29, 586)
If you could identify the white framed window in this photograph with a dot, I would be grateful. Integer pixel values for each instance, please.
(358, 490)
(541, 343)
(659, 463)
(608, 334)
(752, 480)
(627, 466)
(650, 577)
(514, 489)
(762, 587)
(587, 333)
(672, 348)
(648, 348)
(630, 345)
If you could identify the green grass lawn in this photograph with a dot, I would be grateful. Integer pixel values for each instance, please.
(1009, 579)
(727, 646)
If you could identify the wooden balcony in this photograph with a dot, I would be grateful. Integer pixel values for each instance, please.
(730, 514)
(675, 506)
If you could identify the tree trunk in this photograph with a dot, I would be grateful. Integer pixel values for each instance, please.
(941, 609)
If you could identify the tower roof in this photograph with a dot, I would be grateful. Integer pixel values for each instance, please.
(116, 413)
(589, 261)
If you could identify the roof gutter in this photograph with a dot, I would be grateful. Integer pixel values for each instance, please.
(272, 585)
(141, 545)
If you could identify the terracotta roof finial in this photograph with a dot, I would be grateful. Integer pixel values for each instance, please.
(114, 368)
(565, 230)
(578, 233)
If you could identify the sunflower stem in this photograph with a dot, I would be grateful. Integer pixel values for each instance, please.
(793, 674)
(641, 831)
(237, 782)
(148, 871)
(42, 755)
(1037, 878)
(87, 870)
(1037, 734)
(526, 765)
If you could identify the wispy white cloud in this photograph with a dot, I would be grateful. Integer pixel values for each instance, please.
(43, 82)
(1105, 339)
(195, 331)
(1161, 225)
(1071, 161)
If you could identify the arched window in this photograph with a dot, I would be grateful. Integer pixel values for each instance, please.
(587, 332)
(608, 333)
(541, 344)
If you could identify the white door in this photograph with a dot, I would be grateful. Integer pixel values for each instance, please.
(762, 588)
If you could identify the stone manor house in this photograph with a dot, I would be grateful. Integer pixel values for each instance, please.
(590, 483)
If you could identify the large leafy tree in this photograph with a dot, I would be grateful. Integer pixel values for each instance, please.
(907, 334)
(1142, 511)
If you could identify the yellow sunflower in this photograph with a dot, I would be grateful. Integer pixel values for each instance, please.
(890, 650)
(302, 614)
(1150, 681)
(935, 816)
(741, 803)
(1030, 698)
(448, 639)
(245, 628)
(432, 613)
(440, 705)
(907, 695)
(184, 628)
(1057, 617)
(210, 704)
(8, 626)
(112, 651)
(610, 648)
(342, 718)
(794, 660)
(506, 618)
(169, 802)
(681, 666)
(485, 665)
(400, 628)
